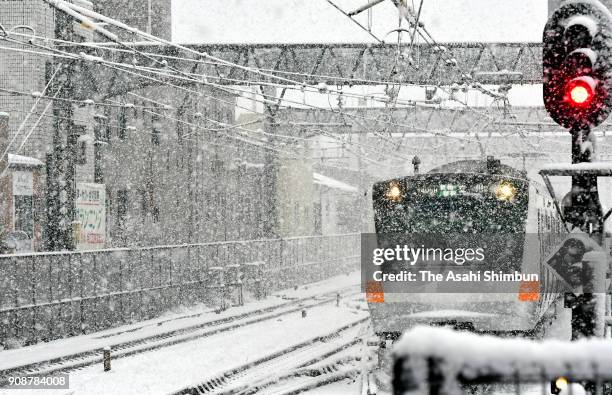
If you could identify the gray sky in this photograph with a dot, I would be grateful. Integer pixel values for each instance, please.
(291, 21)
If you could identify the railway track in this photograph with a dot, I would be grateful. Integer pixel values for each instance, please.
(313, 376)
(351, 365)
(92, 357)
(294, 361)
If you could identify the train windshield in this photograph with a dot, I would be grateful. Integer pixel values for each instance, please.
(458, 203)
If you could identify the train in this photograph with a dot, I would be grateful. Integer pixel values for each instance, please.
(481, 197)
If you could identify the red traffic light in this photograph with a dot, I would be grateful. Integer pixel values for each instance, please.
(580, 91)
(577, 64)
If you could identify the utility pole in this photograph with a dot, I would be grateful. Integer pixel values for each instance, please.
(362, 187)
(271, 166)
(587, 214)
(61, 163)
(100, 124)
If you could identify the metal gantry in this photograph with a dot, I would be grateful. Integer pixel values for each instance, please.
(308, 64)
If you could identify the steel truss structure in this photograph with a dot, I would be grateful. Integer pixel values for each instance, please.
(333, 64)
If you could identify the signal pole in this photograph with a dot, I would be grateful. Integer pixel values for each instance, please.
(576, 76)
(587, 214)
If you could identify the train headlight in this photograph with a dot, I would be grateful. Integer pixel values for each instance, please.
(394, 192)
(559, 385)
(505, 191)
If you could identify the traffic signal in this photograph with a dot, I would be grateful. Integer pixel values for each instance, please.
(576, 60)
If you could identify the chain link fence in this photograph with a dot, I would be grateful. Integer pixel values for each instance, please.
(45, 296)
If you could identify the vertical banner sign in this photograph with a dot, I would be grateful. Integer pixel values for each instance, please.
(91, 216)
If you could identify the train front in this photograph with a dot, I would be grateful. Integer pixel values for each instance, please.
(451, 211)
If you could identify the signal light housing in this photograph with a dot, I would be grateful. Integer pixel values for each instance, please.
(580, 91)
(576, 60)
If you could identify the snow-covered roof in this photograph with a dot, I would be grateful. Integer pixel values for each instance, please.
(329, 182)
(23, 160)
(473, 352)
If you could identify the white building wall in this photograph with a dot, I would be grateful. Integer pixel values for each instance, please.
(25, 72)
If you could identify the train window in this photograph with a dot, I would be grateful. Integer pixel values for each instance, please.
(457, 203)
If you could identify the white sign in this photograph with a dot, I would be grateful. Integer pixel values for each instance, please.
(22, 183)
(91, 216)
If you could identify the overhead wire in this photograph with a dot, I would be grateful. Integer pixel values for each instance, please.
(140, 33)
(217, 86)
(248, 69)
(27, 117)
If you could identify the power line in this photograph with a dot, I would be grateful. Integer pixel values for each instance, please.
(217, 86)
(27, 117)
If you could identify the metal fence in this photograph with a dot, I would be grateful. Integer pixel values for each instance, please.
(45, 296)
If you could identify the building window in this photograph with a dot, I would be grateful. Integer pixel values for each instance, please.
(110, 207)
(24, 214)
(148, 206)
(102, 131)
(144, 205)
(155, 129)
(122, 206)
(82, 157)
(122, 134)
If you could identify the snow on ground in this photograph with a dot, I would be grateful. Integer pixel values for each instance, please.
(175, 367)
(168, 322)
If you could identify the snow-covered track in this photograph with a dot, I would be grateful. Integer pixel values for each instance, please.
(304, 383)
(240, 380)
(92, 357)
(312, 376)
